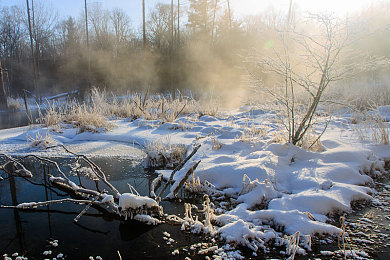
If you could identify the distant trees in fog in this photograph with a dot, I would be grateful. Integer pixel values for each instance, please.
(203, 51)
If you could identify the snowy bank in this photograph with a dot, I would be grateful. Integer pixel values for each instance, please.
(267, 186)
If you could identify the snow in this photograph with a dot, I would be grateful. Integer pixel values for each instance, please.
(107, 198)
(179, 176)
(285, 184)
(132, 201)
(147, 219)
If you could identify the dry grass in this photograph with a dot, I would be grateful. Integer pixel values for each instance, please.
(311, 141)
(216, 144)
(93, 116)
(161, 153)
(252, 134)
(207, 107)
(87, 119)
(52, 116)
(373, 128)
(41, 141)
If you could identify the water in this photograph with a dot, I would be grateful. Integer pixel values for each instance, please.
(28, 232)
(10, 119)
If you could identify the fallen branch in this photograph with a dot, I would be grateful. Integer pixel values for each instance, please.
(130, 204)
(178, 168)
(179, 183)
(96, 169)
(23, 172)
(29, 205)
(156, 183)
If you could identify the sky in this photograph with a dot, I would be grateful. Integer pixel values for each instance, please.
(240, 8)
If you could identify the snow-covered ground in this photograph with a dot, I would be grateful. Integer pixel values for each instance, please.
(269, 188)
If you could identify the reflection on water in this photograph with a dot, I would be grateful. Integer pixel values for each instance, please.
(10, 119)
(28, 232)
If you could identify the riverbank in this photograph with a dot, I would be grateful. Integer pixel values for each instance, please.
(262, 188)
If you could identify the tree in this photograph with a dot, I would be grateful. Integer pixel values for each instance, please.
(99, 19)
(200, 16)
(158, 26)
(316, 62)
(121, 24)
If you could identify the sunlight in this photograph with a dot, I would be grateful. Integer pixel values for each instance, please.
(245, 7)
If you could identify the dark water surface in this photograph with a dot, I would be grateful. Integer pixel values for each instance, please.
(10, 119)
(96, 233)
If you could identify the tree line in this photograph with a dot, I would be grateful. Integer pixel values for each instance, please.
(194, 45)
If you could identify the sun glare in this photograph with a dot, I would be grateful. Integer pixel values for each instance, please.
(252, 7)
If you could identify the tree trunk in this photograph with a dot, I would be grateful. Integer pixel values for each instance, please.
(3, 96)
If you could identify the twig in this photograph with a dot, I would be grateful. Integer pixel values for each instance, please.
(23, 170)
(323, 131)
(96, 169)
(86, 208)
(45, 203)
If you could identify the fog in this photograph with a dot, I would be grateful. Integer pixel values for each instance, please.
(211, 52)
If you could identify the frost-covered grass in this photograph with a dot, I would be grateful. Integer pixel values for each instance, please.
(373, 126)
(261, 189)
(41, 141)
(162, 153)
(93, 116)
(85, 118)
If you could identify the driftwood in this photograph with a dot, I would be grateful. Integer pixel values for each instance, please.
(178, 168)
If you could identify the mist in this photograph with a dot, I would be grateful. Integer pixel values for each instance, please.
(206, 53)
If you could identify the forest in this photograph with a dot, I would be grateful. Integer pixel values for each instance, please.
(196, 45)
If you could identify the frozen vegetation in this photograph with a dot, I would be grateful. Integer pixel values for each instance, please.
(259, 191)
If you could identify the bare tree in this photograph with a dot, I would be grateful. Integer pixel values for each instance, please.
(121, 25)
(159, 25)
(311, 67)
(99, 19)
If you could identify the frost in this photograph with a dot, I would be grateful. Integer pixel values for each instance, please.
(147, 219)
(48, 252)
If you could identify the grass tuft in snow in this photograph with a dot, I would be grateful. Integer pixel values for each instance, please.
(194, 185)
(85, 118)
(292, 245)
(252, 134)
(40, 141)
(372, 127)
(164, 154)
(216, 144)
